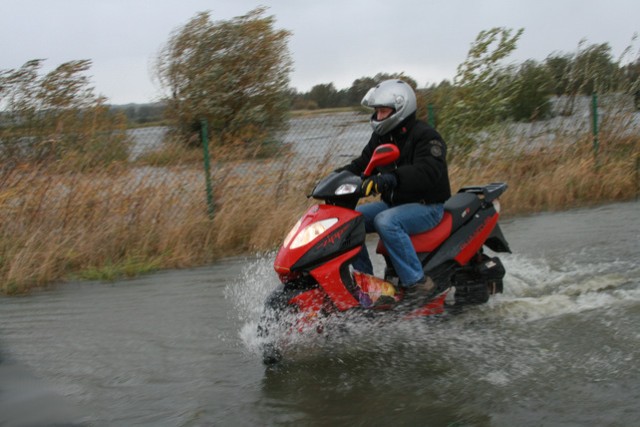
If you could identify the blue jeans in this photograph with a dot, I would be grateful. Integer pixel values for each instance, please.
(395, 225)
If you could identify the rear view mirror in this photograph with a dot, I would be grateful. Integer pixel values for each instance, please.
(383, 155)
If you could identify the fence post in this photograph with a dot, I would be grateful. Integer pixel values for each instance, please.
(431, 117)
(594, 113)
(204, 137)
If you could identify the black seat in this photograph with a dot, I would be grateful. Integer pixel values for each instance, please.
(461, 206)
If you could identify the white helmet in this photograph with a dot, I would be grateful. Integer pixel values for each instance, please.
(394, 94)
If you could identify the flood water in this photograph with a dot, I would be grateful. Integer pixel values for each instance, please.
(561, 346)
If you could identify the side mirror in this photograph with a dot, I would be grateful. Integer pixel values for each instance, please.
(383, 155)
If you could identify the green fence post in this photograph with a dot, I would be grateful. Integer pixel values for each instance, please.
(594, 113)
(204, 136)
(431, 117)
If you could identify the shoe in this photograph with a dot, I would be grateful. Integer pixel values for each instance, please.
(421, 291)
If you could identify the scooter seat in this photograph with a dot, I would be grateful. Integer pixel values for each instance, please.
(430, 239)
(457, 211)
(461, 207)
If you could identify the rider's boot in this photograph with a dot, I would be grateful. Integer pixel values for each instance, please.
(420, 292)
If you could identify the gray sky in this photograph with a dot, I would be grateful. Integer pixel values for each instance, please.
(333, 40)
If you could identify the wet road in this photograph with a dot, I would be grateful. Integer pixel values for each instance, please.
(560, 347)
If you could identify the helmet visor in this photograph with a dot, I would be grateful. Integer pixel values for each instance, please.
(366, 101)
(375, 98)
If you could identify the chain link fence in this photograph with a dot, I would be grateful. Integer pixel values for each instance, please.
(157, 206)
(311, 145)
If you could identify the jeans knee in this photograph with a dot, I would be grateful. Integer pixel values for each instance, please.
(384, 221)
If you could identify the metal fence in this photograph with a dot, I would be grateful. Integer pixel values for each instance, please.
(315, 143)
(60, 214)
(145, 196)
(310, 143)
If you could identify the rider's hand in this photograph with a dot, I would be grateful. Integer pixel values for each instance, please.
(379, 184)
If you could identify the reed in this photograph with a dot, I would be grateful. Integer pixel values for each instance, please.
(125, 221)
(567, 175)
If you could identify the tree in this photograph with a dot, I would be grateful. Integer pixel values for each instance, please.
(359, 89)
(559, 68)
(380, 77)
(324, 95)
(482, 88)
(232, 73)
(433, 98)
(530, 96)
(591, 69)
(596, 69)
(58, 117)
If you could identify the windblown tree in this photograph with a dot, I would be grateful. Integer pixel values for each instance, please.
(531, 92)
(325, 95)
(591, 69)
(57, 116)
(482, 88)
(233, 73)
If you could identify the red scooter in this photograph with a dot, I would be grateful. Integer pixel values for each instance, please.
(314, 262)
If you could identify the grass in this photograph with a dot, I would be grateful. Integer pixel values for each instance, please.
(128, 267)
(561, 177)
(128, 220)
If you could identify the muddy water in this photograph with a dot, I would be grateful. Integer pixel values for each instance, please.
(561, 346)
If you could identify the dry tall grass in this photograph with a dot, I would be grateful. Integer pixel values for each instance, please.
(102, 226)
(561, 177)
(56, 226)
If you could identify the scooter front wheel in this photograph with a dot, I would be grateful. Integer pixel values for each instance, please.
(271, 354)
(275, 323)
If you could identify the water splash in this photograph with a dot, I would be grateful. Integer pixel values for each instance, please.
(535, 290)
(248, 294)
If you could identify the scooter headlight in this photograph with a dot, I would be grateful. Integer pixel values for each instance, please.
(346, 189)
(310, 232)
(292, 233)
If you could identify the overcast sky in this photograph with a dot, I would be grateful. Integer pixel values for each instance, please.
(332, 40)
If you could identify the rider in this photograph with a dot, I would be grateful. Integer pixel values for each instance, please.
(413, 189)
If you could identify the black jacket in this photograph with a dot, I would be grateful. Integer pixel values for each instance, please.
(421, 169)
